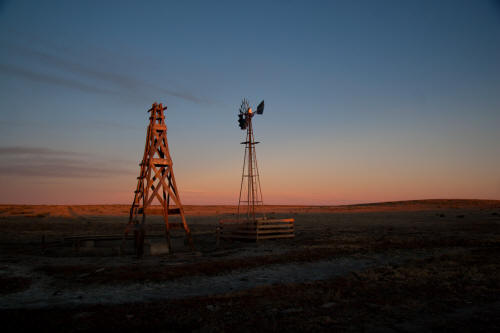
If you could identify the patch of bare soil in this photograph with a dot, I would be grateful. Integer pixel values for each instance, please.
(97, 274)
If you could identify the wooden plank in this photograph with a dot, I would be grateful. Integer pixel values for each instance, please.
(277, 226)
(275, 220)
(159, 127)
(160, 161)
(277, 236)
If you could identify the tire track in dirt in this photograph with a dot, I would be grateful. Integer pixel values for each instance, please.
(43, 294)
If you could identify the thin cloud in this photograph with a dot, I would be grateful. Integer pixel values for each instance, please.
(188, 97)
(117, 79)
(103, 124)
(57, 170)
(20, 150)
(52, 163)
(127, 83)
(44, 78)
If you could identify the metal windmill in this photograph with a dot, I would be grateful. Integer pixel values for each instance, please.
(250, 189)
(248, 226)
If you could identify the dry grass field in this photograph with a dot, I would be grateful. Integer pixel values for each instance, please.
(428, 265)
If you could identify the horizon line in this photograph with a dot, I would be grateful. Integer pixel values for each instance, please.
(293, 205)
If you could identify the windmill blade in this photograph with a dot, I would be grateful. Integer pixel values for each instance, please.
(244, 106)
(242, 122)
(260, 108)
(243, 114)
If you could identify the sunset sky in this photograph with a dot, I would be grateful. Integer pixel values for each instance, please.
(365, 100)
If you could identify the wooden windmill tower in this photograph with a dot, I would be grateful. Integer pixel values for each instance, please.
(251, 222)
(156, 181)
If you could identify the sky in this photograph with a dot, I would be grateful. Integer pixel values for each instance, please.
(366, 101)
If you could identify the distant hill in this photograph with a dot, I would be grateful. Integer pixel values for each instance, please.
(43, 211)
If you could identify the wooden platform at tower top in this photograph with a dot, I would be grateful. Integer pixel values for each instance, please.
(156, 182)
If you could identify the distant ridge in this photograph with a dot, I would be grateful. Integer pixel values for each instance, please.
(428, 202)
(88, 211)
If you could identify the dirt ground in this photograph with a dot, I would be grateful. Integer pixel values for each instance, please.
(431, 265)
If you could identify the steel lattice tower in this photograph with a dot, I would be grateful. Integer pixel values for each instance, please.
(250, 188)
(247, 226)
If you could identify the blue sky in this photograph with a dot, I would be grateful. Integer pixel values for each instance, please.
(365, 100)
